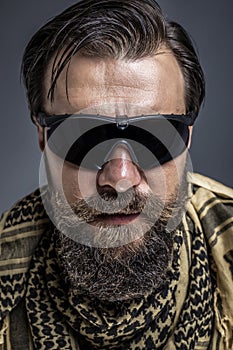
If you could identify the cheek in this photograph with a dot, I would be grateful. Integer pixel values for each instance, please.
(157, 181)
(68, 178)
(164, 180)
(78, 183)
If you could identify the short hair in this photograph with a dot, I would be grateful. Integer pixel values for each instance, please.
(118, 29)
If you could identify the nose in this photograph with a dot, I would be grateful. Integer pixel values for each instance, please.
(119, 172)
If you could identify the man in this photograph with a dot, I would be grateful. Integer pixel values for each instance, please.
(122, 247)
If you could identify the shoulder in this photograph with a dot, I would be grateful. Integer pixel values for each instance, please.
(203, 182)
(211, 199)
(213, 207)
(20, 230)
(28, 209)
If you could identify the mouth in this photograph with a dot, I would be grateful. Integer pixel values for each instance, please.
(115, 219)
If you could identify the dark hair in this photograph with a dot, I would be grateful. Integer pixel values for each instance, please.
(129, 29)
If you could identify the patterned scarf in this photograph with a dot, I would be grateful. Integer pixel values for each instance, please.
(178, 317)
(142, 323)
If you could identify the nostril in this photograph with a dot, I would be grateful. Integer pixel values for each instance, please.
(107, 192)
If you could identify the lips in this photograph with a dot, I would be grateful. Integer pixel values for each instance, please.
(116, 219)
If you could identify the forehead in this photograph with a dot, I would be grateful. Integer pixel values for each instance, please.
(154, 83)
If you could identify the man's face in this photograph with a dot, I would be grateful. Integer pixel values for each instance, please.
(116, 87)
(110, 87)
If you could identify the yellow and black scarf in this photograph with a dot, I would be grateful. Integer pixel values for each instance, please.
(193, 311)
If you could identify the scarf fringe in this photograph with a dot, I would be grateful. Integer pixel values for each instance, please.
(5, 334)
(224, 325)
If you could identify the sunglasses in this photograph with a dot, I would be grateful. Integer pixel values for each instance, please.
(88, 140)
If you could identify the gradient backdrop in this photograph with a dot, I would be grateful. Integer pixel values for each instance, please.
(210, 25)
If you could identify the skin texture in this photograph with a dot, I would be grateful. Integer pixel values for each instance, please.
(116, 87)
(125, 254)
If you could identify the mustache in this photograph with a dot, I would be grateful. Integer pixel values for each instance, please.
(84, 220)
(110, 203)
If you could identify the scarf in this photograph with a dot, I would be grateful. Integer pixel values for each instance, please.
(178, 317)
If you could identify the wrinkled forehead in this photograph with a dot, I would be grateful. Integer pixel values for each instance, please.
(87, 82)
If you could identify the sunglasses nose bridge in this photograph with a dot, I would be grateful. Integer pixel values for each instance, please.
(121, 149)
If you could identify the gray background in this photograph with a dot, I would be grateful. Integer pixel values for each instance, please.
(209, 23)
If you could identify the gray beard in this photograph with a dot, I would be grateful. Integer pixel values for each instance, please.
(123, 271)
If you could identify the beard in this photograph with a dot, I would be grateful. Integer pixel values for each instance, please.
(117, 262)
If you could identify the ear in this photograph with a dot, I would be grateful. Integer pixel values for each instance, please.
(40, 131)
(190, 136)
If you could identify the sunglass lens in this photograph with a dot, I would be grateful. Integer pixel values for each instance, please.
(154, 142)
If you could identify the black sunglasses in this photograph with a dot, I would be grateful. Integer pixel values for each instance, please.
(87, 140)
